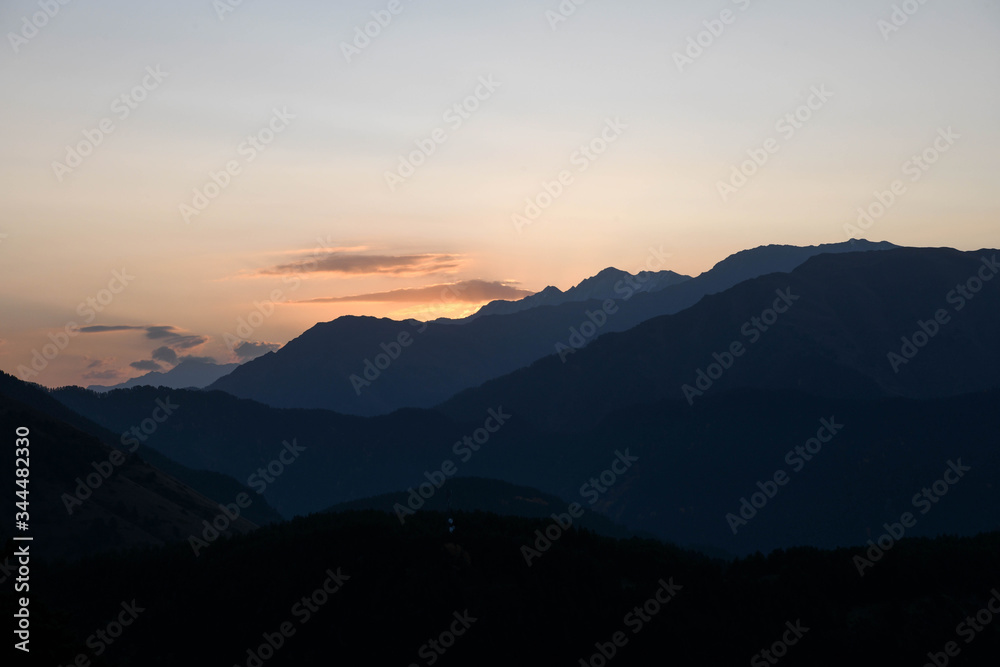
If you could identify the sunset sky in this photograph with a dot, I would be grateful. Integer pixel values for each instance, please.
(118, 114)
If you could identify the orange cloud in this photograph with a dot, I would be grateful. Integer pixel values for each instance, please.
(355, 265)
(466, 291)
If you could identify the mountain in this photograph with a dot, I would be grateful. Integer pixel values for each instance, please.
(328, 458)
(187, 374)
(822, 363)
(847, 330)
(85, 497)
(693, 463)
(599, 287)
(368, 366)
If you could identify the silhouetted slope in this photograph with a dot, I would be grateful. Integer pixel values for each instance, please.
(344, 457)
(216, 486)
(129, 503)
(185, 375)
(694, 463)
(846, 314)
(440, 358)
(599, 287)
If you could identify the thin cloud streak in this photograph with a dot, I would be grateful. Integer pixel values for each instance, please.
(356, 265)
(466, 291)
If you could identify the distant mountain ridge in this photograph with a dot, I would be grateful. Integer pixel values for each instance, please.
(333, 364)
(843, 316)
(125, 502)
(185, 375)
(599, 287)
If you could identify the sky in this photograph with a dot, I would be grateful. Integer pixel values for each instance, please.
(209, 179)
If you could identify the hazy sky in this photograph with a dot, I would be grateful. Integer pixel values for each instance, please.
(117, 114)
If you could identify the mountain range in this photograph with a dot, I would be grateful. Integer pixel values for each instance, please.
(186, 374)
(368, 366)
(706, 427)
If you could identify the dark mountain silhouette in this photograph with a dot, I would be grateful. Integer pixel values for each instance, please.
(83, 499)
(599, 287)
(344, 457)
(368, 366)
(187, 374)
(824, 358)
(846, 314)
(695, 463)
(206, 482)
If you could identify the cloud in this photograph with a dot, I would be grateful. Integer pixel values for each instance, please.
(356, 265)
(248, 350)
(156, 332)
(165, 354)
(146, 365)
(169, 334)
(98, 363)
(172, 340)
(187, 342)
(100, 328)
(465, 291)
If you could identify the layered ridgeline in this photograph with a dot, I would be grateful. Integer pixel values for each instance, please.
(685, 474)
(369, 366)
(791, 442)
(191, 373)
(87, 494)
(908, 322)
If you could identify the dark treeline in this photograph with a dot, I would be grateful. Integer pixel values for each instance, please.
(406, 585)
